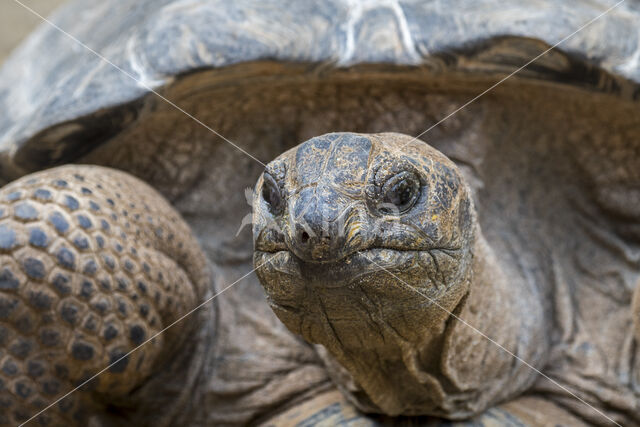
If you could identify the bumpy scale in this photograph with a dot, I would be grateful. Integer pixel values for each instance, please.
(93, 262)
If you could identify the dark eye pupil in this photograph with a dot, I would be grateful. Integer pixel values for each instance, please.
(271, 193)
(401, 193)
(271, 196)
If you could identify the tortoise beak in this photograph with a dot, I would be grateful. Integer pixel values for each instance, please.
(314, 239)
(323, 228)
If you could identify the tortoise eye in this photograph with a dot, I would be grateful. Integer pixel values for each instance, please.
(271, 193)
(400, 191)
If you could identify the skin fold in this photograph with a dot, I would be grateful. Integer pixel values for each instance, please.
(381, 289)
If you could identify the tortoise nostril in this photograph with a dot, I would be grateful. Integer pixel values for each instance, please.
(304, 237)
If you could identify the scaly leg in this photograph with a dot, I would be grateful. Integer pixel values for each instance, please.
(93, 262)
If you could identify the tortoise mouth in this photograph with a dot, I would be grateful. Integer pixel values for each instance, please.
(379, 280)
(347, 270)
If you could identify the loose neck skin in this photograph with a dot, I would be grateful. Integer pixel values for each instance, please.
(450, 369)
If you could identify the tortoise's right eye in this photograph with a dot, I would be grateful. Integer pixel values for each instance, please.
(271, 194)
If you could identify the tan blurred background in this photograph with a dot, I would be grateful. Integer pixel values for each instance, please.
(17, 22)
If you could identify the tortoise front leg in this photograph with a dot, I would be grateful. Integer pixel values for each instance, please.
(93, 262)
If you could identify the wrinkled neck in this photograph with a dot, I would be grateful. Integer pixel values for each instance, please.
(501, 324)
(451, 368)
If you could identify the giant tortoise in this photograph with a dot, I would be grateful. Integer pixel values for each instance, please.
(482, 274)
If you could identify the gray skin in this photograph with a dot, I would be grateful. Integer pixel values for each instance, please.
(550, 158)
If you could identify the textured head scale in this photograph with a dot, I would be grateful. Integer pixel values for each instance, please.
(340, 193)
(341, 222)
(338, 209)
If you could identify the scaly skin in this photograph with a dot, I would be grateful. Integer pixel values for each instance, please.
(340, 271)
(93, 262)
(33, 301)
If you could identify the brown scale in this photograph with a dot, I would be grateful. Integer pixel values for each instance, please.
(93, 262)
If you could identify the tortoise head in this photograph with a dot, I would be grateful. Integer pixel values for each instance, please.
(346, 224)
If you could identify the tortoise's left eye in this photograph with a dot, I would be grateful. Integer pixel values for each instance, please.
(400, 192)
(271, 194)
